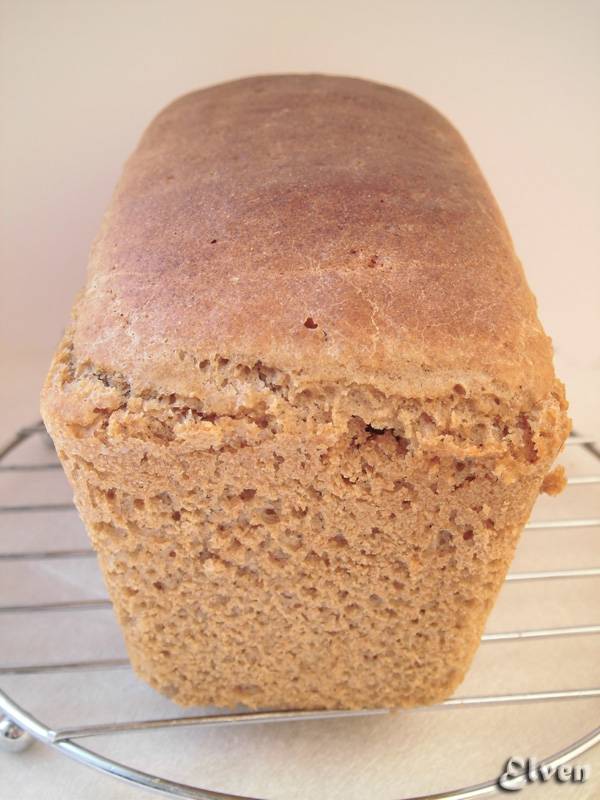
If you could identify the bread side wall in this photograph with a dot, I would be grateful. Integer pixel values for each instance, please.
(313, 547)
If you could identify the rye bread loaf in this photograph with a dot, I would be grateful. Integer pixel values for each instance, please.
(305, 402)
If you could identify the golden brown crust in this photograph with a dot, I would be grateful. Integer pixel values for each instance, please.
(254, 206)
(305, 402)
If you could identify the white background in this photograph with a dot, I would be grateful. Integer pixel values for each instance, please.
(79, 81)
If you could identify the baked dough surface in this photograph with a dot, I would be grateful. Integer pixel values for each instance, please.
(305, 401)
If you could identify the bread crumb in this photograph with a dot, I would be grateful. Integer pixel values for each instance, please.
(554, 482)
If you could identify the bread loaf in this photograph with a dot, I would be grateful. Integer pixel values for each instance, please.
(305, 401)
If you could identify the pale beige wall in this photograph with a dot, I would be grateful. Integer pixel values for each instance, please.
(80, 80)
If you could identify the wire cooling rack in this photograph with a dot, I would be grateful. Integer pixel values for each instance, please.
(43, 550)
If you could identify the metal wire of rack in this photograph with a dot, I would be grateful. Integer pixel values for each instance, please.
(18, 727)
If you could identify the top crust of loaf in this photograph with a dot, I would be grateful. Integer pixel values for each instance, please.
(331, 227)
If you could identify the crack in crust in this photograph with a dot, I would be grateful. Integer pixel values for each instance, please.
(479, 422)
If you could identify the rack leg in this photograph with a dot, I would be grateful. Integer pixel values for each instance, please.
(12, 738)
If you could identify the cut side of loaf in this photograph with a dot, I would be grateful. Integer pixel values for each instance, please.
(305, 402)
